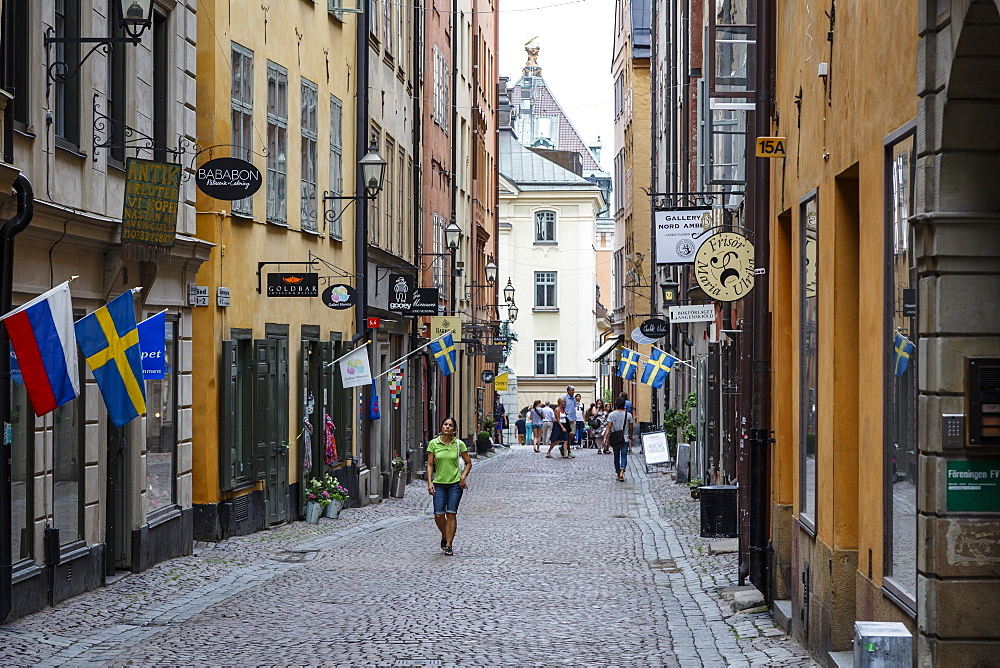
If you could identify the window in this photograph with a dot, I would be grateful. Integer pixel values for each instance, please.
(116, 95)
(545, 289)
(22, 471)
(727, 130)
(161, 428)
(388, 194)
(440, 250)
(387, 26)
(242, 115)
(336, 230)
(68, 464)
(732, 54)
(17, 52)
(373, 18)
(900, 494)
(161, 80)
(619, 94)
(808, 344)
(67, 93)
(545, 358)
(310, 132)
(277, 143)
(442, 84)
(545, 227)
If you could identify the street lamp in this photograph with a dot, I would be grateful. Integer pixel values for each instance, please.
(508, 292)
(512, 312)
(669, 290)
(453, 234)
(372, 173)
(136, 16)
(491, 271)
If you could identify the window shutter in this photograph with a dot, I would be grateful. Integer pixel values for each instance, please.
(343, 405)
(228, 432)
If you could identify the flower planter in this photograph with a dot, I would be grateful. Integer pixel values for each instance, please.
(398, 484)
(695, 492)
(313, 512)
(333, 509)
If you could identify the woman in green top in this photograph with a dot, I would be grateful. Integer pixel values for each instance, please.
(444, 481)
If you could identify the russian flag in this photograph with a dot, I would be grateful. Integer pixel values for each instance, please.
(42, 335)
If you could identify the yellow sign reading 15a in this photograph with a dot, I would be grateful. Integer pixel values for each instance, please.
(771, 147)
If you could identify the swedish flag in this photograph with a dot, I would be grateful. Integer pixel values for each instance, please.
(902, 350)
(110, 343)
(445, 353)
(628, 363)
(656, 369)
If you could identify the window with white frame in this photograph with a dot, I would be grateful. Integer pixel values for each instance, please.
(545, 227)
(336, 230)
(545, 289)
(442, 85)
(277, 143)
(310, 138)
(387, 26)
(545, 358)
(242, 115)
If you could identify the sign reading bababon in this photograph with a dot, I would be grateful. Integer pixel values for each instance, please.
(675, 235)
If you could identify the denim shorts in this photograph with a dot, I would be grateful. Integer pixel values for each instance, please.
(446, 497)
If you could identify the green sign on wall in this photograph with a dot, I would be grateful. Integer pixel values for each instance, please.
(149, 217)
(974, 485)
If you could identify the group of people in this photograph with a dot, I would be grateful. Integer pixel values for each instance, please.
(568, 423)
(449, 463)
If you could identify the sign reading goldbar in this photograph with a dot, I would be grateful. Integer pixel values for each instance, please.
(149, 217)
(724, 266)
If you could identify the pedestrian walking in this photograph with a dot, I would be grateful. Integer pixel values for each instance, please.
(537, 417)
(569, 407)
(601, 420)
(445, 482)
(549, 417)
(580, 423)
(618, 434)
(560, 434)
(498, 428)
(521, 427)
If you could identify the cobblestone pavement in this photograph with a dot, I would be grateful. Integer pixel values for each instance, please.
(555, 564)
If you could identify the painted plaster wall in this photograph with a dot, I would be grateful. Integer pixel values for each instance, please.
(311, 44)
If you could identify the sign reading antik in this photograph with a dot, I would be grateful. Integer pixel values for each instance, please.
(149, 217)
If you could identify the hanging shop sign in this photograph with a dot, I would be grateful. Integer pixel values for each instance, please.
(494, 354)
(655, 328)
(297, 284)
(675, 234)
(149, 217)
(487, 376)
(724, 266)
(442, 324)
(699, 313)
(228, 178)
(401, 289)
(424, 301)
(339, 296)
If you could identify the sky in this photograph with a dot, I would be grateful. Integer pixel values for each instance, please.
(576, 39)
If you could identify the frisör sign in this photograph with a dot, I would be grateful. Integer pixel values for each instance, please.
(228, 178)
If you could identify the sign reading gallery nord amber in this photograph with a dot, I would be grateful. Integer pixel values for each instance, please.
(771, 147)
(149, 217)
(724, 266)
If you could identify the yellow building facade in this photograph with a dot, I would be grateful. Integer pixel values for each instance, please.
(276, 87)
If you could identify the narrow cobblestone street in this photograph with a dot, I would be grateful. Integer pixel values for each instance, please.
(555, 563)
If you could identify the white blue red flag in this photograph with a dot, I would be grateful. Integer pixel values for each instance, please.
(42, 335)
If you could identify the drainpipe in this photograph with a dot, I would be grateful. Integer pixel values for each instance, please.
(10, 229)
(361, 213)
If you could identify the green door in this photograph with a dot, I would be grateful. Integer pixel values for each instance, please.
(270, 421)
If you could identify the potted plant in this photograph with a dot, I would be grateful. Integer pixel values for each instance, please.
(398, 481)
(337, 495)
(483, 441)
(317, 499)
(695, 485)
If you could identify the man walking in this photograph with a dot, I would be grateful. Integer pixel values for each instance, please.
(548, 417)
(571, 417)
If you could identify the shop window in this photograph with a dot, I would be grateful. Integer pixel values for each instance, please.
(900, 498)
(22, 471)
(808, 352)
(161, 429)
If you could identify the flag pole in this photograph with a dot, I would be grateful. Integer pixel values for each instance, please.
(411, 353)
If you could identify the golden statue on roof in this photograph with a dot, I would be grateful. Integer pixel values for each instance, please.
(531, 67)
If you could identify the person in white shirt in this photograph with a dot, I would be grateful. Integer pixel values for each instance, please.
(570, 410)
(549, 417)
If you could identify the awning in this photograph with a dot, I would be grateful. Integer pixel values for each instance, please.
(608, 346)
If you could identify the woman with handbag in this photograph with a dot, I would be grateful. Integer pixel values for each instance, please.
(618, 434)
(444, 480)
(560, 433)
(598, 420)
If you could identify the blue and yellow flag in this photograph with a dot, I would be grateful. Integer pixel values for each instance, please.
(902, 349)
(656, 369)
(445, 354)
(628, 363)
(110, 343)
